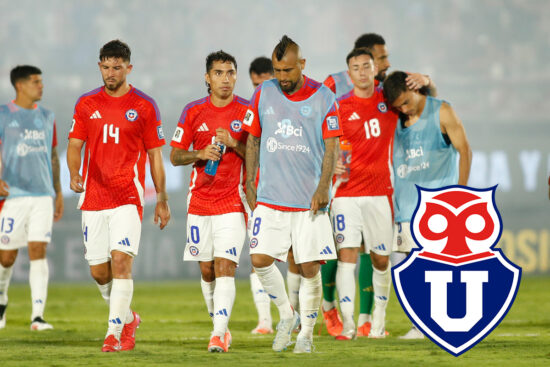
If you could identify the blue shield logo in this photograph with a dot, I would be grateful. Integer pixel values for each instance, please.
(456, 288)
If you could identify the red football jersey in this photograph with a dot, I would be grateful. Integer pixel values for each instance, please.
(118, 131)
(369, 125)
(330, 83)
(218, 194)
(309, 87)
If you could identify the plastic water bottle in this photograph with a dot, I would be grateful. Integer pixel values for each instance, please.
(345, 157)
(212, 166)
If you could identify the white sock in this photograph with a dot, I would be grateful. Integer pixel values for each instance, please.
(363, 317)
(261, 300)
(5, 277)
(381, 282)
(293, 283)
(311, 291)
(121, 298)
(273, 283)
(345, 284)
(327, 306)
(208, 294)
(105, 290)
(38, 279)
(224, 297)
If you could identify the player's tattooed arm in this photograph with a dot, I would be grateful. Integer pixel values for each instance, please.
(252, 162)
(58, 213)
(73, 161)
(321, 196)
(162, 210)
(182, 157)
(452, 126)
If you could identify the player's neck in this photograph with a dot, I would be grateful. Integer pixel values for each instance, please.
(364, 93)
(298, 86)
(24, 102)
(120, 91)
(218, 101)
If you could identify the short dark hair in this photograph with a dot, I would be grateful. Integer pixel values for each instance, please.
(21, 72)
(394, 85)
(282, 46)
(261, 65)
(368, 40)
(358, 52)
(218, 56)
(115, 48)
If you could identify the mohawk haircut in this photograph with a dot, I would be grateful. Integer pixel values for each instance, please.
(394, 85)
(358, 52)
(261, 65)
(115, 48)
(23, 72)
(369, 40)
(218, 56)
(282, 47)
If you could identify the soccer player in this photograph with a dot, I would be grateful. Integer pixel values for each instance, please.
(341, 83)
(120, 126)
(261, 69)
(30, 179)
(294, 129)
(428, 137)
(216, 227)
(361, 210)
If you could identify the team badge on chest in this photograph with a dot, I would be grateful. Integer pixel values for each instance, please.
(236, 126)
(457, 287)
(131, 115)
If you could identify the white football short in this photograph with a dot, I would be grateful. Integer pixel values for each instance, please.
(25, 219)
(110, 229)
(273, 232)
(402, 239)
(366, 218)
(210, 236)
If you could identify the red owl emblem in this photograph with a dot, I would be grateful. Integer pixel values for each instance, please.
(456, 224)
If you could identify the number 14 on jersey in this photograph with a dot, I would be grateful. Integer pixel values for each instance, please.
(110, 131)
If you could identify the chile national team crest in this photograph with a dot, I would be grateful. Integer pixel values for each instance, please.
(457, 287)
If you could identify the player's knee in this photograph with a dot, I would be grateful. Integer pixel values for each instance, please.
(261, 261)
(7, 259)
(224, 268)
(121, 265)
(101, 275)
(310, 269)
(380, 262)
(207, 271)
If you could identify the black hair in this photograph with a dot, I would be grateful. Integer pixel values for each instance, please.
(369, 40)
(261, 65)
(115, 48)
(282, 46)
(23, 72)
(394, 85)
(218, 56)
(358, 52)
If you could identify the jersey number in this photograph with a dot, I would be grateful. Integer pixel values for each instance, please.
(372, 128)
(195, 238)
(109, 131)
(7, 225)
(339, 224)
(256, 227)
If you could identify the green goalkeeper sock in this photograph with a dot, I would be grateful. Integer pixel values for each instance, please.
(328, 274)
(366, 292)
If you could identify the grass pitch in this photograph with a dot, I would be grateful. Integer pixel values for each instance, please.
(176, 329)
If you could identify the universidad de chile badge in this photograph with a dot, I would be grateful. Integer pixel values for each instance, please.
(456, 287)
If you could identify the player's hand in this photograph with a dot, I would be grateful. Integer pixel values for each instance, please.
(212, 152)
(4, 188)
(77, 184)
(251, 196)
(319, 200)
(162, 213)
(223, 136)
(415, 81)
(58, 213)
(340, 169)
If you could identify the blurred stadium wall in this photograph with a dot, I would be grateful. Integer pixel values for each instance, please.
(489, 59)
